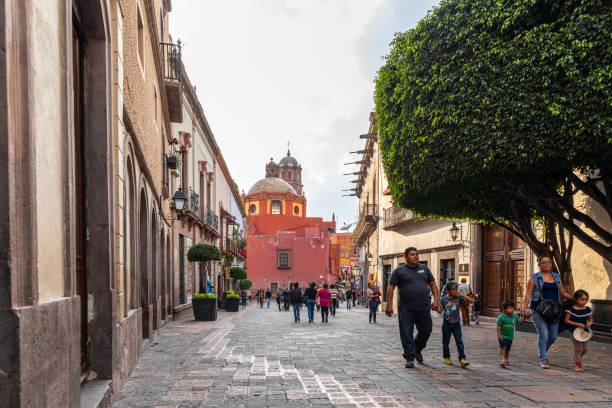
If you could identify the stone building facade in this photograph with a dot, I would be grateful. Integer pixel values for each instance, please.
(91, 98)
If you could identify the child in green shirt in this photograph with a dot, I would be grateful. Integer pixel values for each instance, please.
(505, 331)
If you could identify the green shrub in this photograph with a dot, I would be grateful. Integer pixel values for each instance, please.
(232, 295)
(245, 284)
(237, 272)
(204, 296)
(203, 253)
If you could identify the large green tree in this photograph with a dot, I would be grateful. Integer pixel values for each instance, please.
(501, 111)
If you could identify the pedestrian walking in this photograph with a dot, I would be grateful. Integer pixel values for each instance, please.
(414, 281)
(349, 297)
(579, 316)
(334, 299)
(278, 301)
(373, 294)
(310, 294)
(268, 297)
(505, 332)
(466, 290)
(243, 297)
(451, 326)
(286, 297)
(324, 296)
(261, 298)
(296, 299)
(542, 298)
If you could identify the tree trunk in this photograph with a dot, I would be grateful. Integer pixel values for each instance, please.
(556, 242)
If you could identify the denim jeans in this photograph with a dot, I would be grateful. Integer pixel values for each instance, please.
(348, 303)
(334, 306)
(408, 318)
(324, 313)
(453, 329)
(373, 307)
(268, 302)
(296, 310)
(547, 334)
(311, 306)
(244, 302)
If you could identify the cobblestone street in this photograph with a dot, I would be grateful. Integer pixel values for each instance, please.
(260, 357)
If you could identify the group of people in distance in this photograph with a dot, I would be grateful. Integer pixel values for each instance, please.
(326, 299)
(416, 286)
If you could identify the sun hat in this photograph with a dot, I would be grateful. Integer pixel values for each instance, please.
(582, 335)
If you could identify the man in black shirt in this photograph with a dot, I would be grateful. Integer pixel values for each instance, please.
(415, 282)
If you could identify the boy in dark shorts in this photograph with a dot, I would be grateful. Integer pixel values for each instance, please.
(505, 332)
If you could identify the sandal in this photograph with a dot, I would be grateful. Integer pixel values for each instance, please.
(544, 365)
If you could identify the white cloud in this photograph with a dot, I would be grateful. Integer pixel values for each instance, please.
(272, 71)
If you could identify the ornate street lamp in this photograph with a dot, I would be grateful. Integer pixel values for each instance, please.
(179, 199)
(454, 231)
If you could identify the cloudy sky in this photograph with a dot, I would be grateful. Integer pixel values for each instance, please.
(269, 72)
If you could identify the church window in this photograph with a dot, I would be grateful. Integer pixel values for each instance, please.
(252, 209)
(276, 207)
(296, 210)
(284, 259)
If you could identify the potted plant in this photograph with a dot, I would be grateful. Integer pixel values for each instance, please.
(204, 306)
(232, 301)
(173, 159)
(203, 253)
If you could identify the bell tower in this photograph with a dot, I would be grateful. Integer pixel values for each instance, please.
(290, 170)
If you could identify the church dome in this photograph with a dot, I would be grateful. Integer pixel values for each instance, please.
(272, 185)
(288, 160)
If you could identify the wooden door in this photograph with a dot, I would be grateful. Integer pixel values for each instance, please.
(80, 255)
(504, 269)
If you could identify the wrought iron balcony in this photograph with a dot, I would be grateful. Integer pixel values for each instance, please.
(368, 218)
(172, 66)
(395, 217)
(194, 203)
(171, 61)
(212, 220)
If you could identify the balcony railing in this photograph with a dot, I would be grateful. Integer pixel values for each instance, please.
(173, 75)
(396, 216)
(368, 210)
(171, 61)
(194, 203)
(211, 219)
(368, 217)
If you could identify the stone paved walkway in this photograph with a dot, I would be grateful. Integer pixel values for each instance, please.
(261, 358)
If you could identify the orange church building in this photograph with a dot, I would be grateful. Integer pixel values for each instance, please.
(283, 244)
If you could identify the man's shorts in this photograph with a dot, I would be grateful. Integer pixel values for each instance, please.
(505, 343)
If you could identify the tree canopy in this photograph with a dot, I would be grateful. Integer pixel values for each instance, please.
(203, 253)
(237, 272)
(494, 110)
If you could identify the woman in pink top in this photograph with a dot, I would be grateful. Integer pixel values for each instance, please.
(325, 301)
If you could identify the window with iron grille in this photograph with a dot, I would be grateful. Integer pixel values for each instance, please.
(284, 259)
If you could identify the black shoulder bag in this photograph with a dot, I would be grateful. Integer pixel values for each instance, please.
(549, 309)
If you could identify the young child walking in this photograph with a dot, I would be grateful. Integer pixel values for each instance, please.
(450, 305)
(579, 315)
(505, 332)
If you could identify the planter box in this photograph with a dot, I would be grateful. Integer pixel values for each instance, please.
(602, 311)
(232, 304)
(204, 309)
(172, 162)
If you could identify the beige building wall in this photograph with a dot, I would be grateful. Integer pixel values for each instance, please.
(47, 105)
(590, 271)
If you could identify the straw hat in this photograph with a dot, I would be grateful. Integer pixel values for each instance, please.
(582, 335)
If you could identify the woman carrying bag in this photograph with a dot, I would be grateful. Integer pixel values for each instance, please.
(542, 303)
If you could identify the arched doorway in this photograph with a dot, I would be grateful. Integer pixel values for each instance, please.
(144, 257)
(163, 273)
(154, 270)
